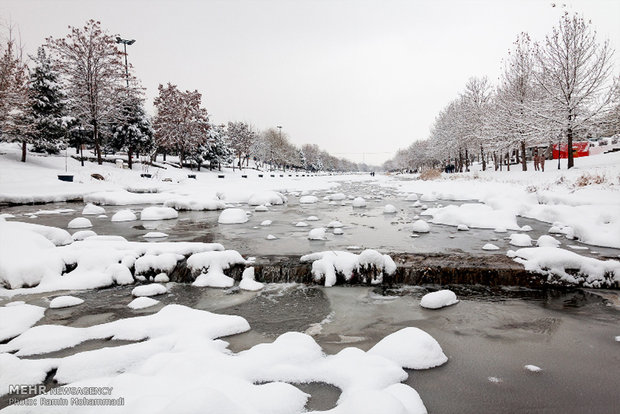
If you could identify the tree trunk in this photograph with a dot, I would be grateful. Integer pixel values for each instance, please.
(466, 160)
(508, 161)
(164, 155)
(523, 157)
(460, 161)
(569, 149)
(484, 163)
(24, 149)
(82, 154)
(96, 139)
(129, 162)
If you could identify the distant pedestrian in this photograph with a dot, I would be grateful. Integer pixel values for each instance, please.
(542, 162)
(536, 160)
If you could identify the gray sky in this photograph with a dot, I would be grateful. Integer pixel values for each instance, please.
(359, 78)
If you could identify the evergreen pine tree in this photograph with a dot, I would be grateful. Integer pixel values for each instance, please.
(132, 132)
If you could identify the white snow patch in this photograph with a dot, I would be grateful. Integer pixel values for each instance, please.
(17, 318)
(248, 282)
(233, 216)
(439, 299)
(79, 223)
(420, 226)
(547, 241)
(308, 199)
(124, 215)
(389, 209)
(532, 368)
(212, 266)
(65, 302)
(410, 348)
(317, 234)
(520, 240)
(301, 224)
(155, 235)
(462, 227)
(334, 224)
(152, 289)
(91, 209)
(266, 223)
(142, 302)
(490, 246)
(83, 234)
(261, 209)
(312, 218)
(358, 202)
(267, 198)
(158, 213)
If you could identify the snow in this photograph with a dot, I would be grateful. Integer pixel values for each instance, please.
(266, 198)
(326, 265)
(547, 241)
(473, 215)
(420, 226)
(266, 223)
(248, 282)
(158, 213)
(301, 224)
(261, 209)
(359, 202)
(79, 223)
(490, 246)
(334, 224)
(233, 216)
(211, 266)
(271, 237)
(412, 197)
(520, 240)
(532, 368)
(554, 262)
(17, 318)
(462, 227)
(142, 303)
(196, 202)
(439, 299)
(83, 234)
(91, 209)
(308, 199)
(124, 215)
(57, 236)
(337, 197)
(317, 234)
(389, 209)
(338, 231)
(65, 302)
(312, 218)
(161, 278)
(152, 289)
(410, 348)
(164, 262)
(155, 235)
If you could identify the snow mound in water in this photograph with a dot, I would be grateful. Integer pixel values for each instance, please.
(439, 299)
(389, 209)
(17, 317)
(233, 216)
(521, 240)
(547, 241)
(83, 234)
(124, 215)
(309, 199)
(65, 302)
(266, 198)
(155, 235)
(359, 202)
(410, 348)
(158, 213)
(152, 289)
(79, 223)
(142, 302)
(91, 209)
(317, 234)
(248, 281)
(211, 266)
(490, 246)
(420, 226)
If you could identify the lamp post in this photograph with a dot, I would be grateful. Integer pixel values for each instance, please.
(125, 42)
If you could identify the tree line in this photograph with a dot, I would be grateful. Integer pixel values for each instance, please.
(553, 91)
(77, 91)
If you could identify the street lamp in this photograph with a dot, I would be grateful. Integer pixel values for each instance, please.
(125, 42)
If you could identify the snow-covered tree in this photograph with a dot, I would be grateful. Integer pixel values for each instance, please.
(574, 71)
(241, 137)
(93, 74)
(180, 124)
(51, 121)
(15, 103)
(132, 131)
(218, 151)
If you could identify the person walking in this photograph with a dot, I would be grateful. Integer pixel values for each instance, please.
(536, 159)
(542, 161)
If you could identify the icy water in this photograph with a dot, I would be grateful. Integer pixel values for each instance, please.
(363, 227)
(488, 336)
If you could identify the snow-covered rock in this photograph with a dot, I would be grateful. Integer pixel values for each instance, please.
(79, 223)
(337, 197)
(312, 218)
(410, 348)
(521, 240)
(301, 224)
(439, 299)
(490, 246)
(65, 302)
(261, 209)
(532, 368)
(271, 237)
(142, 303)
(248, 282)
(17, 318)
(338, 231)
(195, 202)
(83, 234)
(309, 199)
(124, 215)
(161, 278)
(412, 197)
(158, 213)
(266, 223)
(389, 209)
(155, 235)
(152, 289)
(233, 216)
(266, 198)
(317, 234)
(420, 226)
(212, 265)
(358, 202)
(547, 241)
(91, 209)
(335, 224)
(462, 227)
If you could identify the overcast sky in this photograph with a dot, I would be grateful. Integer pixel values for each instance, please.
(359, 78)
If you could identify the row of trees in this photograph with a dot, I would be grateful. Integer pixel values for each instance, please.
(79, 92)
(557, 90)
